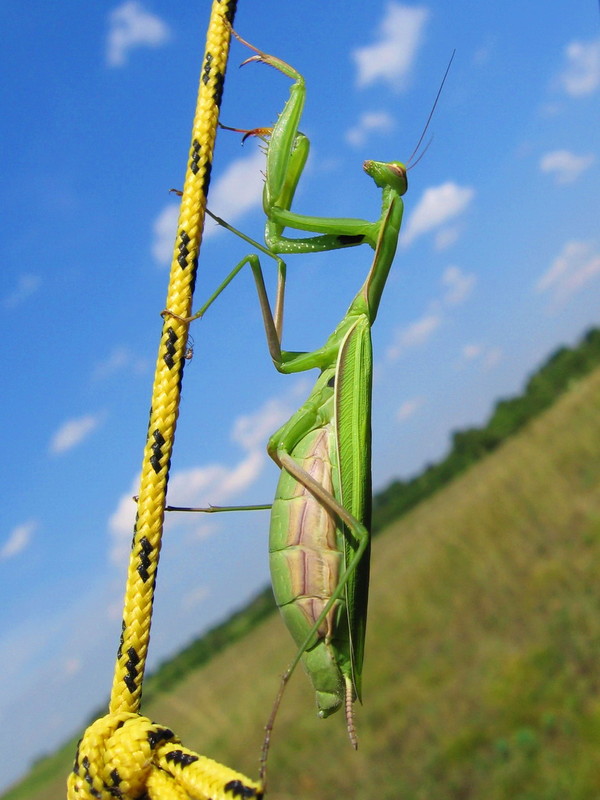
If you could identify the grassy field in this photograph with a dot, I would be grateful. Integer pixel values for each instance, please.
(482, 677)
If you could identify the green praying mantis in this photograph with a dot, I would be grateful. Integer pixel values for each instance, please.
(319, 541)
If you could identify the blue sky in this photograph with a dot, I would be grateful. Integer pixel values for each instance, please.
(498, 264)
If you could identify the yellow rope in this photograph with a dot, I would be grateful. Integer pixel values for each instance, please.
(123, 754)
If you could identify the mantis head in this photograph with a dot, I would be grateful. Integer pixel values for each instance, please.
(392, 174)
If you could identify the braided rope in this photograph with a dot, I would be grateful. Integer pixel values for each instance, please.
(124, 754)
(127, 756)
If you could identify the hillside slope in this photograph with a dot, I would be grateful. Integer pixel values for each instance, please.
(481, 674)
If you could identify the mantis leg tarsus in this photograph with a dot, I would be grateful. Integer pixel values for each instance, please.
(261, 133)
(166, 312)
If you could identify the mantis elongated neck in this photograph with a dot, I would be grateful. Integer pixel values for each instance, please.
(368, 298)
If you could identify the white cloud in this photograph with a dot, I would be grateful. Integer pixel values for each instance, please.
(197, 487)
(120, 524)
(491, 357)
(566, 166)
(459, 285)
(194, 598)
(253, 430)
(576, 265)
(369, 122)
(481, 354)
(483, 54)
(472, 351)
(435, 208)
(27, 285)
(409, 408)
(72, 666)
(164, 230)
(417, 333)
(18, 540)
(131, 26)
(581, 74)
(119, 359)
(551, 109)
(216, 484)
(210, 484)
(73, 432)
(238, 190)
(446, 237)
(400, 33)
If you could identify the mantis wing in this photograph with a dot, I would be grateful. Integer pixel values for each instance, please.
(353, 424)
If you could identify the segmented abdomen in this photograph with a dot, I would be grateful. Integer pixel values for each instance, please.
(305, 556)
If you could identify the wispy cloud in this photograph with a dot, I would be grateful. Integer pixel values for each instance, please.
(436, 207)
(391, 57)
(457, 287)
(576, 265)
(74, 432)
(251, 430)
(208, 484)
(564, 165)
(581, 73)
(483, 53)
(194, 598)
(164, 230)
(236, 191)
(492, 356)
(18, 540)
(458, 284)
(472, 351)
(72, 666)
(484, 355)
(131, 26)
(26, 285)
(120, 524)
(414, 334)
(409, 408)
(119, 359)
(369, 122)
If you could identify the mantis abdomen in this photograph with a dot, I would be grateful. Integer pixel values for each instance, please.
(307, 559)
(320, 520)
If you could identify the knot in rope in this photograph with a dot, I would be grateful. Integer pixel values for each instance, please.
(125, 755)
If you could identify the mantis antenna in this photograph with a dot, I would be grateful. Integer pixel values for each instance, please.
(433, 107)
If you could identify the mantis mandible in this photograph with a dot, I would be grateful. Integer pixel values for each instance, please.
(320, 519)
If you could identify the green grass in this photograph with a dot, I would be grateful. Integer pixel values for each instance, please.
(481, 675)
